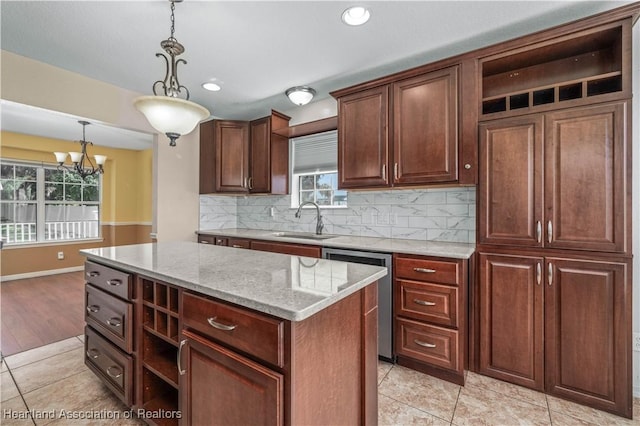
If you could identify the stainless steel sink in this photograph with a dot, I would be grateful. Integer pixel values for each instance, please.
(304, 235)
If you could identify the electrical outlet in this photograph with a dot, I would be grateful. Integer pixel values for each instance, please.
(60, 255)
(636, 342)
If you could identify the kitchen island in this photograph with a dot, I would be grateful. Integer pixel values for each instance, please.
(196, 334)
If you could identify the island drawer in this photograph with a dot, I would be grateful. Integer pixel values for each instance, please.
(426, 269)
(434, 303)
(114, 367)
(108, 279)
(435, 345)
(245, 330)
(111, 316)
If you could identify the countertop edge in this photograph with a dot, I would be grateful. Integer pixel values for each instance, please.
(276, 311)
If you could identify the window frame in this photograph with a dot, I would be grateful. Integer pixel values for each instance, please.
(296, 190)
(41, 204)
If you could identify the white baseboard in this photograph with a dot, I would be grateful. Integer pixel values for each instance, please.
(40, 273)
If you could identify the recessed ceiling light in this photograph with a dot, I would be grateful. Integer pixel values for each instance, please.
(355, 15)
(213, 87)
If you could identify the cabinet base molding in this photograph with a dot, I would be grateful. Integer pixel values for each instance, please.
(422, 367)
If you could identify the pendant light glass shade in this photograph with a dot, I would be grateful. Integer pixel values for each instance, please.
(171, 115)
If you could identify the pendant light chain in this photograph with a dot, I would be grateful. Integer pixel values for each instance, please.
(173, 20)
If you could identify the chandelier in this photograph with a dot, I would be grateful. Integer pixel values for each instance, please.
(82, 164)
(167, 112)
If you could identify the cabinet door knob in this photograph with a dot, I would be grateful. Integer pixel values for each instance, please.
(424, 344)
(467, 166)
(538, 273)
(179, 359)
(114, 282)
(384, 172)
(423, 302)
(215, 324)
(251, 183)
(550, 273)
(538, 231)
(549, 232)
(395, 171)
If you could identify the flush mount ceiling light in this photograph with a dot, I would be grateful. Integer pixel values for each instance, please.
(355, 15)
(167, 112)
(300, 95)
(211, 86)
(82, 164)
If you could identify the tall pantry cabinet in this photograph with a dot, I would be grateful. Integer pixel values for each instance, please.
(553, 302)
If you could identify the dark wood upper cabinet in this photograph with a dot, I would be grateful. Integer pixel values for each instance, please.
(244, 157)
(425, 128)
(424, 140)
(363, 140)
(510, 190)
(585, 174)
(581, 174)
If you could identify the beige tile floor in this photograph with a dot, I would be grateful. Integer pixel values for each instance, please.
(52, 380)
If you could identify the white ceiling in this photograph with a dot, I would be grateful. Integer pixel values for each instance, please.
(256, 50)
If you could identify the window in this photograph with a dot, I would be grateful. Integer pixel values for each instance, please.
(43, 204)
(314, 175)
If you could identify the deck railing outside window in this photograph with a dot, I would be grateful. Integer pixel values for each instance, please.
(17, 233)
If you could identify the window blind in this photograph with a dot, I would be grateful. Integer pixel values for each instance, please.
(315, 153)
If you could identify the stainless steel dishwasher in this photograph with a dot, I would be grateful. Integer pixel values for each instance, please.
(385, 292)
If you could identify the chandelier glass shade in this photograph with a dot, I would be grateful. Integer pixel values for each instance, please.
(82, 164)
(166, 111)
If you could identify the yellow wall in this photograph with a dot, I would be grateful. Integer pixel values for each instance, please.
(126, 183)
(126, 210)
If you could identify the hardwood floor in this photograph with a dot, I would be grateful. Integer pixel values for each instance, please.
(38, 311)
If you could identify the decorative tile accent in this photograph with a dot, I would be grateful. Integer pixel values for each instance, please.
(437, 214)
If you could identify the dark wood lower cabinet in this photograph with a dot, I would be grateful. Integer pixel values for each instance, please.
(221, 387)
(558, 324)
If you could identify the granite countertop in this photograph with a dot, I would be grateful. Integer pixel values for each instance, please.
(388, 245)
(288, 287)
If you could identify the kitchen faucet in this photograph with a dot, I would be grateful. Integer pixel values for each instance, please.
(319, 224)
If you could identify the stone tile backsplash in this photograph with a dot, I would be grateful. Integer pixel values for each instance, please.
(439, 214)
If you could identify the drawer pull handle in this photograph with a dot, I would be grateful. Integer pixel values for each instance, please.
(423, 302)
(93, 353)
(118, 371)
(93, 274)
(236, 246)
(179, 359)
(114, 282)
(424, 344)
(425, 270)
(204, 242)
(114, 322)
(92, 309)
(213, 323)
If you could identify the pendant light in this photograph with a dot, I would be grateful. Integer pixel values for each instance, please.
(82, 164)
(167, 112)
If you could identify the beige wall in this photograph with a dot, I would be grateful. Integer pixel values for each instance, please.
(174, 202)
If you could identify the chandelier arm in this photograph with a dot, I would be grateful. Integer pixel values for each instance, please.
(178, 86)
(166, 75)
